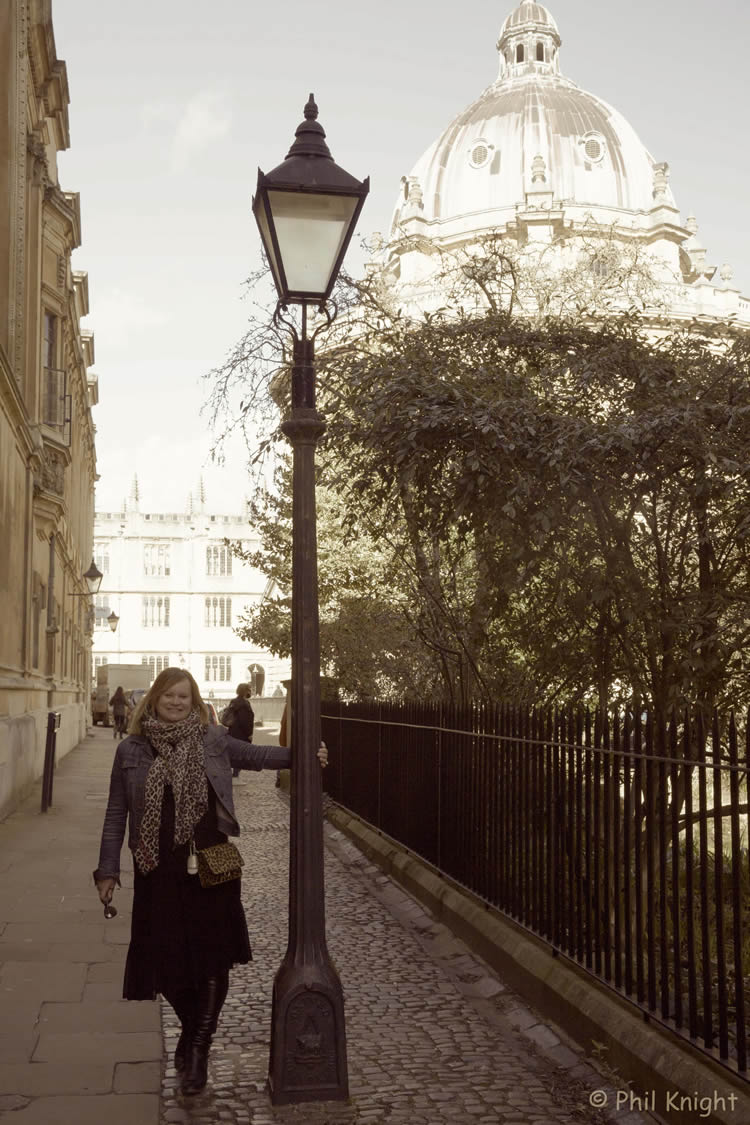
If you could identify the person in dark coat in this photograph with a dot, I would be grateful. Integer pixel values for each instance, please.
(242, 717)
(171, 785)
(119, 705)
(285, 732)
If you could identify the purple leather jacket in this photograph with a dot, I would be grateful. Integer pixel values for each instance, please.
(127, 787)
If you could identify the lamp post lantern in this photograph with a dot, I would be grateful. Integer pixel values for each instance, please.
(93, 579)
(306, 210)
(113, 620)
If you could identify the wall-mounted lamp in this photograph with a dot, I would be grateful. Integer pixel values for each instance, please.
(93, 577)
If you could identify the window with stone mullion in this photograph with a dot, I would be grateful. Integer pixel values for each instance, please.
(218, 669)
(218, 561)
(155, 612)
(155, 664)
(101, 558)
(217, 612)
(156, 561)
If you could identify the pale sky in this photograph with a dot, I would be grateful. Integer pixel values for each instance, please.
(175, 104)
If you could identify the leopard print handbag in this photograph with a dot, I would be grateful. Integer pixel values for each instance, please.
(219, 864)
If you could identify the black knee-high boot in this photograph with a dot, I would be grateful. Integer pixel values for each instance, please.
(188, 1001)
(184, 1003)
(211, 996)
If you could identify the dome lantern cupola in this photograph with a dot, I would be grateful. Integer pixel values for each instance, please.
(529, 42)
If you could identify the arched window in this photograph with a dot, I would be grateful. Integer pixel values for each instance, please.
(101, 558)
(155, 612)
(155, 664)
(218, 668)
(519, 53)
(218, 561)
(102, 610)
(540, 52)
(156, 559)
(600, 268)
(218, 613)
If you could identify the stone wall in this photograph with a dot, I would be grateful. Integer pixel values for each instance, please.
(47, 455)
(22, 746)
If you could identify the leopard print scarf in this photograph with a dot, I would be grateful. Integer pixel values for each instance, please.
(179, 763)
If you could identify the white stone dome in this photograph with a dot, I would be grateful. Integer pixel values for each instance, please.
(532, 130)
(558, 179)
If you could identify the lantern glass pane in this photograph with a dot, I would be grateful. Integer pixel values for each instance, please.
(93, 581)
(311, 229)
(260, 216)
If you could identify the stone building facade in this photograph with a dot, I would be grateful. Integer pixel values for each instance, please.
(178, 593)
(47, 454)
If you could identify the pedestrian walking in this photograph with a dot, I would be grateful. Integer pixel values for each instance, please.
(131, 709)
(172, 781)
(239, 717)
(119, 705)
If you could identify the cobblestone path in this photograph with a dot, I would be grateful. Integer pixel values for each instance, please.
(433, 1036)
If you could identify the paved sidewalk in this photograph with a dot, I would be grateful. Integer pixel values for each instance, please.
(433, 1035)
(71, 1051)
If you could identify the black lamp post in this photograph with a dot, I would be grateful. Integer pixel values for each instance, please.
(113, 620)
(306, 210)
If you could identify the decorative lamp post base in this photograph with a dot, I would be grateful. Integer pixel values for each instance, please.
(308, 1044)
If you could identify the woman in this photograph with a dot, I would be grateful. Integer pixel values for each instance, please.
(172, 777)
(119, 705)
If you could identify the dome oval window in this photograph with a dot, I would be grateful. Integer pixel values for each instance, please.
(594, 148)
(519, 53)
(480, 153)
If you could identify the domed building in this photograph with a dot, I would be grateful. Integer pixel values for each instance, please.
(554, 175)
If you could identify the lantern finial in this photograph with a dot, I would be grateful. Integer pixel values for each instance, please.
(310, 135)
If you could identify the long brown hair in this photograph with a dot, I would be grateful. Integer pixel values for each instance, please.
(163, 682)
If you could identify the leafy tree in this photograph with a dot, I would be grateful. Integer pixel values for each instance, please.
(597, 481)
(367, 644)
(534, 506)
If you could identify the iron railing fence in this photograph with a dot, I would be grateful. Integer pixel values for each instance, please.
(620, 840)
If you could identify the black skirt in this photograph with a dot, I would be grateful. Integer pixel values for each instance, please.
(182, 932)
